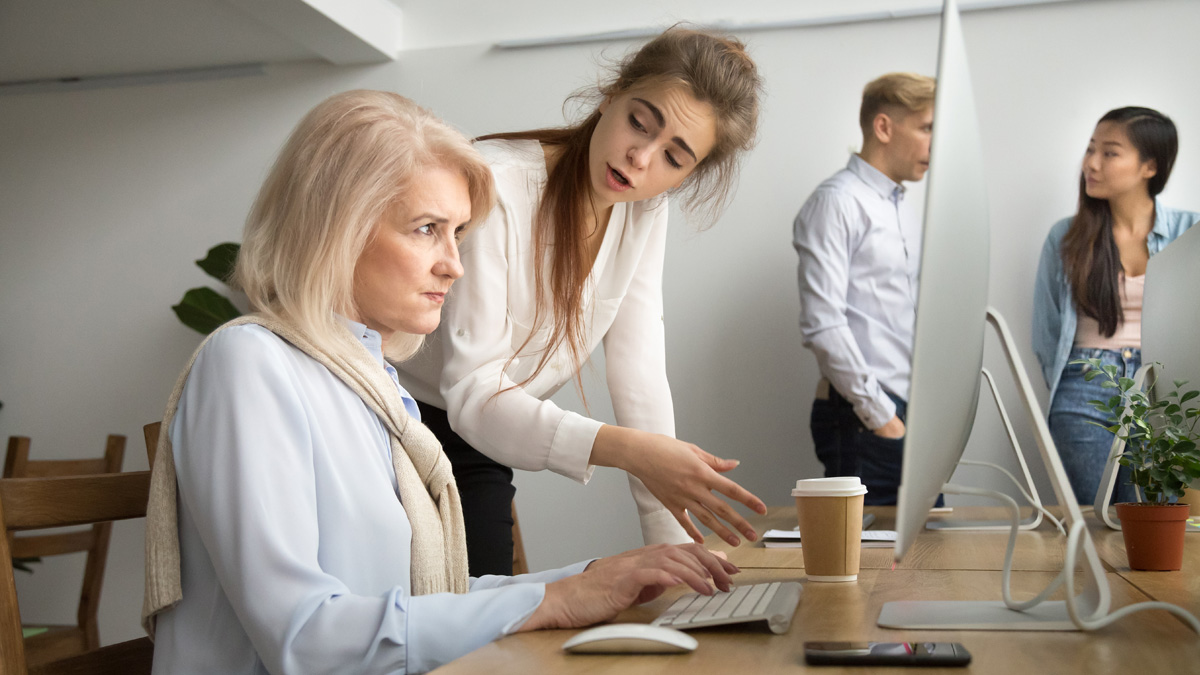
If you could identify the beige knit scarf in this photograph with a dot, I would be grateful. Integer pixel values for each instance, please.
(427, 488)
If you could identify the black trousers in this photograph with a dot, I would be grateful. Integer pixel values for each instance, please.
(487, 493)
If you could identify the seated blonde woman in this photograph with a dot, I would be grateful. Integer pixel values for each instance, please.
(302, 518)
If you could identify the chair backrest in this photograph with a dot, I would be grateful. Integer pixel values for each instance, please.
(150, 432)
(48, 502)
(94, 541)
(520, 562)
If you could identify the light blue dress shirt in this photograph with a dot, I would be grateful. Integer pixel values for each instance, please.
(1054, 316)
(295, 546)
(859, 248)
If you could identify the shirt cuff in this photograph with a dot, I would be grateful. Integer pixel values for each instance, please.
(875, 413)
(571, 447)
(660, 527)
(439, 630)
(545, 577)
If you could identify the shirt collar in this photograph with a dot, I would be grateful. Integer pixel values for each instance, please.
(370, 339)
(875, 179)
(1161, 228)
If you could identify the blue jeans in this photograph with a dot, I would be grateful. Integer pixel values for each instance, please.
(1084, 447)
(847, 448)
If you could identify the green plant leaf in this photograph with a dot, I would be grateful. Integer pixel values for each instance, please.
(218, 264)
(1189, 396)
(204, 310)
(1126, 383)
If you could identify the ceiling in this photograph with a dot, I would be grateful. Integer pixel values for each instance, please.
(44, 40)
(70, 43)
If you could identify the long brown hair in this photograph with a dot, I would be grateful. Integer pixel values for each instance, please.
(715, 70)
(1089, 252)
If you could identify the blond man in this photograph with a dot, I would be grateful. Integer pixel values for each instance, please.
(859, 248)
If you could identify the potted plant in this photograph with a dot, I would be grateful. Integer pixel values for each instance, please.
(1161, 452)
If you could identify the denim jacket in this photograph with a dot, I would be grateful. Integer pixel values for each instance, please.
(1054, 315)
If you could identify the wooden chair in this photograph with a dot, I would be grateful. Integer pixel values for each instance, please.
(520, 562)
(49, 502)
(60, 641)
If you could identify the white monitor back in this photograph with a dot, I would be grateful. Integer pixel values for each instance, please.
(953, 293)
(1170, 313)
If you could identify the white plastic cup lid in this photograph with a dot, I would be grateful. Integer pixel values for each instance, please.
(841, 486)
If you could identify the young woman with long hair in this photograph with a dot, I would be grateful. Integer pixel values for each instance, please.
(571, 256)
(1088, 294)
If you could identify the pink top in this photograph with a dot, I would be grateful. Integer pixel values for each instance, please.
(1129, 331)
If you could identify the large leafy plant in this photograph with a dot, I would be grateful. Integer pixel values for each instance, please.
(203, 309)
(1160, 435)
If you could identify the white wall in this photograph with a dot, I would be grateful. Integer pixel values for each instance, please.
(107, 196)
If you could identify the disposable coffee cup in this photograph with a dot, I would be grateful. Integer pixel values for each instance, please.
(830, 513)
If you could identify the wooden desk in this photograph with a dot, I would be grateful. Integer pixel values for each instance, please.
(1040, 550)
(940, 566)
(1149, 643)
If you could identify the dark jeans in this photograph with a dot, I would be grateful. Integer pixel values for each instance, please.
(486, 489)
(847, 448)
(1082, 445)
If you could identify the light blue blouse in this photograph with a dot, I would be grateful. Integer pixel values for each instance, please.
(1054, 318)
(294, 544)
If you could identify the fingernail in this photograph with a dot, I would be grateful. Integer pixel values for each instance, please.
(732, 540)
(735, 461)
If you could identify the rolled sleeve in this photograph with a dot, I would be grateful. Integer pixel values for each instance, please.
(1047, 306)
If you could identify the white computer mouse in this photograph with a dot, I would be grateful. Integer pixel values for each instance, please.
(630, 638)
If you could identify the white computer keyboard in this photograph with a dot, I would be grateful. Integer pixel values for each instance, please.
(774, 602)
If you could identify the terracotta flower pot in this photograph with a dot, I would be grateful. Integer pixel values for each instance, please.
(1153, 534)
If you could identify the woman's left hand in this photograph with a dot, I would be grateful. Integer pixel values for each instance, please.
(612, 584)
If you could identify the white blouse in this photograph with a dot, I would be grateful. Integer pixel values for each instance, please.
(489, 314)
(295, 547)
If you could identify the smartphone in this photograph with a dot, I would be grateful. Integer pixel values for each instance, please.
(886, 654)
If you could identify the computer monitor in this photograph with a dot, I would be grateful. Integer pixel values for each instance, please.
(952, 313)
(1170, 317)
(952, 296)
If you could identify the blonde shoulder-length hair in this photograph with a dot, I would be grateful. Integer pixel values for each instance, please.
(347, 162)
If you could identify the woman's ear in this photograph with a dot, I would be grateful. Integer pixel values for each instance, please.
(1149, 169)
(604, 104)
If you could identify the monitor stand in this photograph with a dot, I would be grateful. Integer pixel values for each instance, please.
(1029, 523)
(1109, 478)
(1095, 599)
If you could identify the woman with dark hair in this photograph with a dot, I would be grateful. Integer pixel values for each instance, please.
(571, 256)
(1088, 294)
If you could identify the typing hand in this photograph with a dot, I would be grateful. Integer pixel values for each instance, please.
(612, 584)
(893, 429)
(681, 476)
